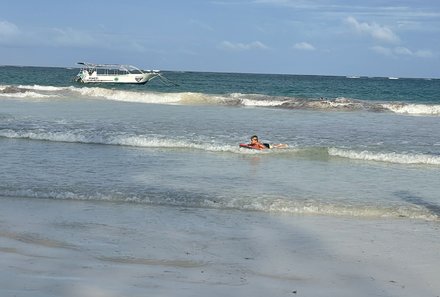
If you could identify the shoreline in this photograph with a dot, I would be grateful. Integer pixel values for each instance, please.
(84, 248)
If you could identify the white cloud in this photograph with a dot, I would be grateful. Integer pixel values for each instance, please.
(71, 38)
(304, 46)
(201, 25)
(227, 45)
(380, 33)
(9, 33)
(424, 54)
(402, 51)
(8, 29)
(382, 50)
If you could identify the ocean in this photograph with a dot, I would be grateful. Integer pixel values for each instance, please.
(366, 147)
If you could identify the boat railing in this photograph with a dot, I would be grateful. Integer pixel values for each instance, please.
(91, 72)
(111, 69)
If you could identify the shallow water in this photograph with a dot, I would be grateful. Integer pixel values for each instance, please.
(151, 145)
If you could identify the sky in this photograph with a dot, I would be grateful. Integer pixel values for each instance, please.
(398, 38)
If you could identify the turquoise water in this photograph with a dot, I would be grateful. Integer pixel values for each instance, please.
(275, 85)
(363, 147)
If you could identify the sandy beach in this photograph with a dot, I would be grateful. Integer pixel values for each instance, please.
(93, 249)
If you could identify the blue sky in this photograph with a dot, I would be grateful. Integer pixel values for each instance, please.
(325, 37)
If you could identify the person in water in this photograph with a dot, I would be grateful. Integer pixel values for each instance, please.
(256, 144)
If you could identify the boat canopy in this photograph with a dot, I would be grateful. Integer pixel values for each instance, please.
(121, 67)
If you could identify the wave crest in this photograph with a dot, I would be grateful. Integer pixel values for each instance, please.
(391, 157)
(416, 109)
(99, 137)
(17, 92)
(84, 137)
(232, 99)
(262, 204)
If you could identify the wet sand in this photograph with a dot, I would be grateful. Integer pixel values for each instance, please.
(79, 248)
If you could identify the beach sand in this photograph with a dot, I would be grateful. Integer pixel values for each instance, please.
(83, 248)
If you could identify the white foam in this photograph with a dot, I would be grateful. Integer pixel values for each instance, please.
(201, 99)
(30, 92)
(27, 94)
(129, 96)
(40, 91)
(238, 99)
(313, 207)
(42, 88)
(260, 204)
(49, 136)
(391, 157)
(80, 136)
(125, 140)
(262, 103)
(415, 109)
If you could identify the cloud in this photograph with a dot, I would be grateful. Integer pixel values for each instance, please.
(8, 29)
(305, 46)
(71, 38)
(382, 50)
(296, 4)
(227, 45)
(377, 32)
(11, 35)
(424, 54)
(201, 25)
(402, 51)
(9, 32)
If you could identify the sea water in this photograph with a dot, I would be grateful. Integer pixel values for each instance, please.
(365, 147)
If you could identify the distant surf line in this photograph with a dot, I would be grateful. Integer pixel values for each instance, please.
(232, 99)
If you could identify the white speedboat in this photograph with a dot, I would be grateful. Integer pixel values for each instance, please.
(114, 73)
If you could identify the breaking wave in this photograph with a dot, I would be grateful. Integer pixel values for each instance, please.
(417, 109)
(233, 99)
(17, 92)
(145, 141)
(84, 137)
(390, 157)
(287, 205)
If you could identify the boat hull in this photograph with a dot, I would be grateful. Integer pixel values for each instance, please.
(119, 79)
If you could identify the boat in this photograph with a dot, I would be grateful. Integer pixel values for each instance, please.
(114, 73)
